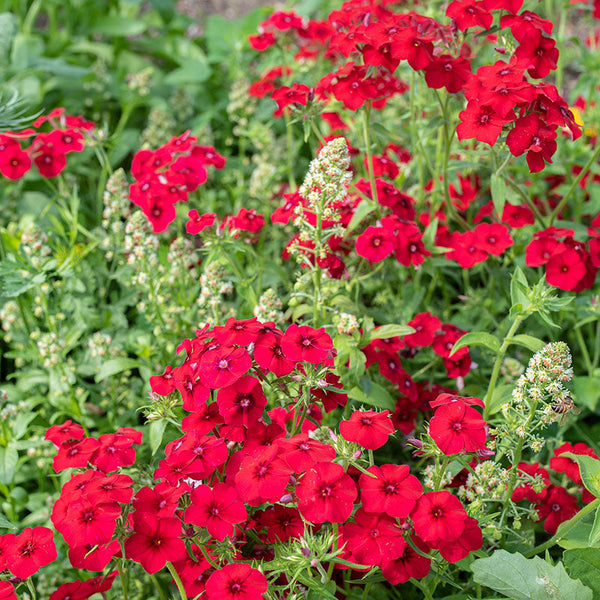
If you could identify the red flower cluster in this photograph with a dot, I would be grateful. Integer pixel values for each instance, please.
(48, 149)
(168, 175)
(569, 264)
(474, 246)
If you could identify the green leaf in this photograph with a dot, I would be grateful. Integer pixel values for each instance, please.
(521, 578)
(116, 365)
(364, 208)
(118, 26)
(577, 536)
(498, 189)
(157, 430)
(528, 341)
(5, 523)
(391, 330)
(477, 338)
(8, 463)
(587, 391)
(594, 538)
(375, 396)
(518, 291)
(590, 471)
(584, 564)
(165, 8)
(194, 71)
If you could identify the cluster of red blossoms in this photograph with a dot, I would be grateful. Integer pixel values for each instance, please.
(48, 149)
(169, 175)
(376, 39)
(569, 264)
(245, 220)
(238, 468)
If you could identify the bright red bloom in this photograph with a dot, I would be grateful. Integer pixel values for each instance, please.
(58, 434)
(408, 565)
(557, 506)
(87, 522)
(75, 454)
(326, 494)
(243, 402)
(284, 96)
(470, 540)
(14, 162)
(198, 223)
(493, 238)
(269, 355)
(425, 325)
(283, 523)
(393, 490)
(562, 464)
(565, 269)
(480, 122)
(301, 452)
(155, 541)
(262, 477)
(223, 366)
(93, 557)
(446, 71)
(469, 13)
(369, 429)
(113, 452)
(30, 550)
(439, 516)
(466, 250)
(217, 509)
(373, 538)
(530, 134)
(304, 343)
(7, 591)
(247, 220)
(236, 581)
(537, 53)
(456, 427)
(375, 244)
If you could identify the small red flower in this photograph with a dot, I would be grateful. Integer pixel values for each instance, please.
(456, 427)
(439, 516)
(236, 581)
(368, 428)
(30, 550)
(304, 343)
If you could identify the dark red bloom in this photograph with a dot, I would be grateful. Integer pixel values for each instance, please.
(30, 550)
(557, 506)
(304, 343)
(439, 516)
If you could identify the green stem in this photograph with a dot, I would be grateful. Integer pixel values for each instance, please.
(496, 369)
(157, 585)
(367, 140)
(440, 475)
(564, 529)
(579, 177)
(584, 351)
(597, 346)
(514, 472)
(290, 149)
(124, 578)
(177, 579)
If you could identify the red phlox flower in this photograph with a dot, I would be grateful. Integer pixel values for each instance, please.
(525, 490)
(369, 429)
(565, 268)
(47, 158)
(113, 452)
(456, 427)
(410, 564)
(209, 451)
(87, 522)
(540, 249)
(413, 46)
(444, 342)
(269, 355)
(198, 223)
(298, 93)
(93, 557)
(236, 581)
(187, 383)
(301, 452)
(243, 402)
(480, 122)
(425, 325)
(326, 494)
(327, 394)
(262, 477)
(517, 215)
(223, 366)
(306, 344)
(207, 155)
(469, 13)
(161, 501)
(530, 134)
(557, 506)
(446, 398)
(155, 541)
(392, 490)
(29, 551)
(470, 540)
(7, 591)
(14, 162)
(65, 432)
(283, 523)
(562, 464)
(203, 420)
(375, 244)
(493, 238)
(373, 538)
(247, 220)
(449, 72)
(466, 250)
(240, 332)
(217, 509)
(75, 454)
(439, 516)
